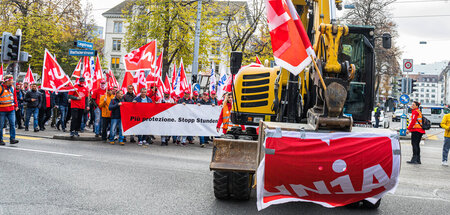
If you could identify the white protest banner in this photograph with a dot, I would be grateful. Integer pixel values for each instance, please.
(169, 119)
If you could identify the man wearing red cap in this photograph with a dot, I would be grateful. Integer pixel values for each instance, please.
(8, 106)
(96, 97)
(213, 98)
(195, 97)
(77, 105)
(152, 93)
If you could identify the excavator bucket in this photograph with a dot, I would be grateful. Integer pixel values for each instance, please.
(235, 155)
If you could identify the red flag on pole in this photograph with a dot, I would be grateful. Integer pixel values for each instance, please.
(289, 39)
(77, 72)
(53, 77)
(87, 72)
(127, 80)
(174, 75)
(257, 60)
(142, 58)
(111, 80)
(141, 80)
(29, 77)
(184, 84)
(98, 74)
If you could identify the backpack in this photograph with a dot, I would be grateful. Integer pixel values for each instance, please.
(426, 124)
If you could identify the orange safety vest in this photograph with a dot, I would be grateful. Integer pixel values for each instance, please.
(226, 118)
(419, 120)
(6, 98)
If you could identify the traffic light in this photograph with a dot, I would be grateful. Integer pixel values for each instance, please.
(412, 85)
(401, 85)
(10, 47)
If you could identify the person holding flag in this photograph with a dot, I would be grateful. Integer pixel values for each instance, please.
(8, 106)
(78, 104)
(99, 92)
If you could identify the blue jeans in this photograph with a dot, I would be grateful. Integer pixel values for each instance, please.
(35, 112)
(115, 124)
(97, 121)
(445, 148)
(84, 119)
(62, 120)
(11, 116)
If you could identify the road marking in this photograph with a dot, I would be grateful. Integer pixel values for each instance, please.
(40, 151)
(432, 137)
(25, 137)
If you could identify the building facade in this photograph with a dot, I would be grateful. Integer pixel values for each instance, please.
(114, 37)
(430, 89)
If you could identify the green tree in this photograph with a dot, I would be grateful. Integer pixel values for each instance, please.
(172, 24)
(47, 24)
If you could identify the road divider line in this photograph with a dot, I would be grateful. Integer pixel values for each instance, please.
(25, 137)
(40, 151)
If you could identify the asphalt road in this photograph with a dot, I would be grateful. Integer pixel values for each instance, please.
(46, 176)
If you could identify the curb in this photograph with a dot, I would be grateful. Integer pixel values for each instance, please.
(80, 138)
(31, 135)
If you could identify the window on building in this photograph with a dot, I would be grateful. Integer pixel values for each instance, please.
(117, 44)
(421, 89)
(427, 95)
(433, 90)
(118, 27)
(427, 101)
(115, 62)
(428, 91)
(433, 102)
(433, 96)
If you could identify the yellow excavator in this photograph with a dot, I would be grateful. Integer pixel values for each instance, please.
(334, 94)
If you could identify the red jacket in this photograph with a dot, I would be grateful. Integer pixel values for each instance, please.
(414, 115)
(10, 108)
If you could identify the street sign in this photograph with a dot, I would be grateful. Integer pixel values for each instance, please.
(404, 99)
(80, 52)
(196, 87)
(407, 65)
(83, 44)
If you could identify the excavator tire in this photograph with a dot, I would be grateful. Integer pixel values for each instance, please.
(241, 185)
(221, 184)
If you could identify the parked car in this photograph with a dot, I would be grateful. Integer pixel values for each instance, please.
(396, 117)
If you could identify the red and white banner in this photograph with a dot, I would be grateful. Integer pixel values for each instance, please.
(169, 119)
(290, 43)
(141, 58)
(53, 77)
(330, 169)
(29, 77)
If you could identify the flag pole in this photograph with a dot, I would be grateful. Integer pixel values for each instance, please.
(318, 72)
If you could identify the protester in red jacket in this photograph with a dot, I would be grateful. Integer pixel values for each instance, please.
(415, 128)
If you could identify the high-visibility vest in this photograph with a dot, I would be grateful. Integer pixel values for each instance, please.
(226, 118)
(419, 120)
(6, 98)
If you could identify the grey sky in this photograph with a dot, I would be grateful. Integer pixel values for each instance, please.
(412, 30)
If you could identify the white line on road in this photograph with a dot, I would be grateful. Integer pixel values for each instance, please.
(40, 151)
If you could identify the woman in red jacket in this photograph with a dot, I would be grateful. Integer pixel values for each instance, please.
(415, 128)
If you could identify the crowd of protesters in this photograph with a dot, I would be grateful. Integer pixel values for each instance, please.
(99, 109)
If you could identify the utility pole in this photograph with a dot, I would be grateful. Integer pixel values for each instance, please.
(197, 43)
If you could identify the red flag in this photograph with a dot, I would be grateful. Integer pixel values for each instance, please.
(87, 73)
(174, 75)
(53, 77)
(1, 73)
(29, 77)
(184, 84)
(166, 85)
(111, 80)
(98, 74)
(77, 72)
(289, 44)
(257, 60)
(141, 58)
(127, 80)
(141, 80)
